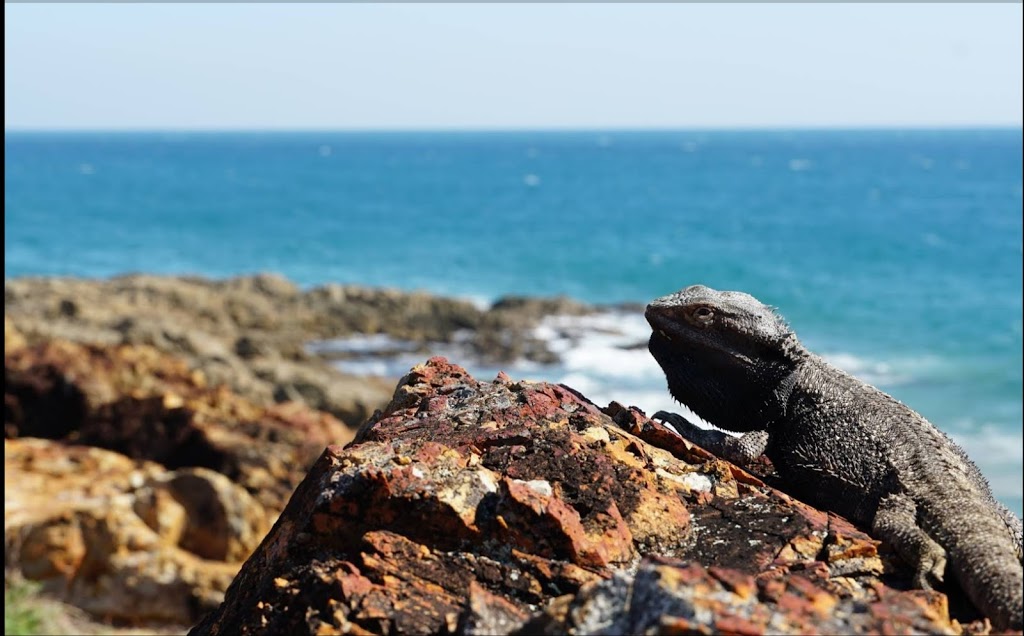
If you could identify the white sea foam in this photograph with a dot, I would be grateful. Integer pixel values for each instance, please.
(481, 302)
(382, 367)
(800, 165)
(872, 372)
(998, 452)
(362, 343)
(923, 162)
(889, 373)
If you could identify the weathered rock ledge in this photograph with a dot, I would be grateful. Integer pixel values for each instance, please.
(512, 507)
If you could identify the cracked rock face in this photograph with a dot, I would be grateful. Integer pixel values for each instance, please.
(516, 507)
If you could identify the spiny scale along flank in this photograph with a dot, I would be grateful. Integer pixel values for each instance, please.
(839, 443)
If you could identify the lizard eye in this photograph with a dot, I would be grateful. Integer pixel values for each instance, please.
(703, 315)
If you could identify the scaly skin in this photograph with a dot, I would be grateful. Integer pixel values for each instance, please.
(838, 443)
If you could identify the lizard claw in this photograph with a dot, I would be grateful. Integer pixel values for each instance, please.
(932, 567)
(672, 418)
(938, 569)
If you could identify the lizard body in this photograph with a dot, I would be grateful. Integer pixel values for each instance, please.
(837, 442)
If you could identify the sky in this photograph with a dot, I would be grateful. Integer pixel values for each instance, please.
(483, 66)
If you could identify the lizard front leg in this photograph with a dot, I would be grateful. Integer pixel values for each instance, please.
(896, 523)
(738, 450)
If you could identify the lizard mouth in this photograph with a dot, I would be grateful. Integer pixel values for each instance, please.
(667, 323)
(664, 345)
(672, 335)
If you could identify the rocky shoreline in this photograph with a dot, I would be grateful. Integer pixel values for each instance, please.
(160, 432)
(252, 333)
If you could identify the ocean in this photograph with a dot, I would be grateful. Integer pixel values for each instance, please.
(894, 253)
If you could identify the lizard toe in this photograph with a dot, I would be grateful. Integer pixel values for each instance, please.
(932, 567)
(921, 582)
(938, 567)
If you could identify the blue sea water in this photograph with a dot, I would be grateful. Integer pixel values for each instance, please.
(896, 253)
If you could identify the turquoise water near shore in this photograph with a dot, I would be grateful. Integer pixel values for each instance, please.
(895, 253)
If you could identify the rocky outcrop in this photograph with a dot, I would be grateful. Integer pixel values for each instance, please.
(251, 333)
(147, 405)
(513, 507)
(133, 489)
(123, 539)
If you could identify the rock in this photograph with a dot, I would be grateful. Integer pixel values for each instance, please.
(347, 398)
(147, 405)
(12, 337)
(529, 307)
(227, 328)
(670, 596)
(505, 332)
(123, 539)
(268, 284)
(204, 512)
(516, 507)
(249, 347)
(155, 527)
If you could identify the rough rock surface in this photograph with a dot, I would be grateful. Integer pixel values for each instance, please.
(515, 507)
(123, 539)
(251, 333)
(133, 490)
(147, 405)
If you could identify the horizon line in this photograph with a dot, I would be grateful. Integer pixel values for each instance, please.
(517, 129)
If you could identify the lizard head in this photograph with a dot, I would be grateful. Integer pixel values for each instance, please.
(726, 355)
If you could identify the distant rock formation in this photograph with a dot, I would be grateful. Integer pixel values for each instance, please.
(252, 332)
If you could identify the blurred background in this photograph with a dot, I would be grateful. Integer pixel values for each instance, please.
(856, 166)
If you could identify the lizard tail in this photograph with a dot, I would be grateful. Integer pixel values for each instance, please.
(984, 560)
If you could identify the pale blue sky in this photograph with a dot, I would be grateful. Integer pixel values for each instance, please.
(344, 66)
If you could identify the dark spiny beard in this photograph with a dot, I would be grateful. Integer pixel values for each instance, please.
(727, 392)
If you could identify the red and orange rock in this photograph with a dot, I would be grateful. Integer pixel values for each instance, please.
(137, 401)
(148, 488)
(493, 507)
